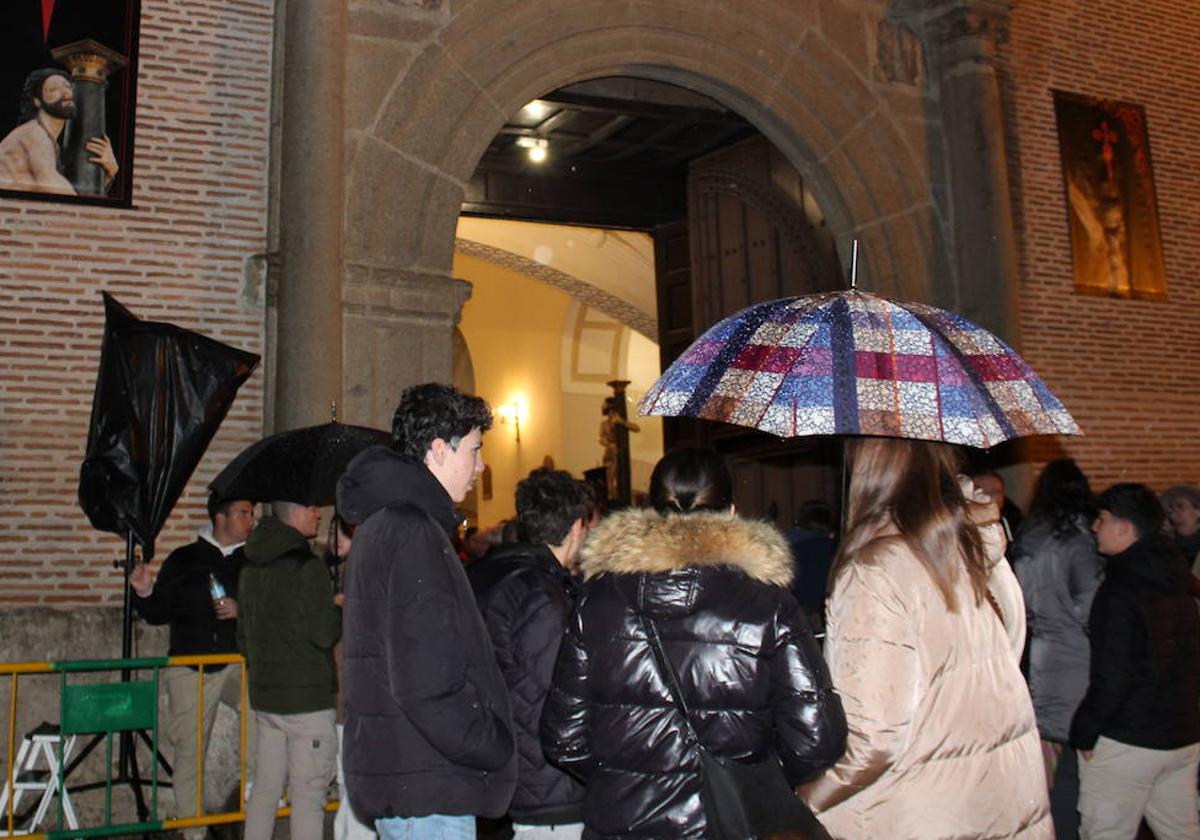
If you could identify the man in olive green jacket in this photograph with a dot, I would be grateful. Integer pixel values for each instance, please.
(287, 627)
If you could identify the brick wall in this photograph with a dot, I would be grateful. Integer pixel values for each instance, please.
(1126, 369)
(189, 252)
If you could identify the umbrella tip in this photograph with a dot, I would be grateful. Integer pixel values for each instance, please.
(854, 265)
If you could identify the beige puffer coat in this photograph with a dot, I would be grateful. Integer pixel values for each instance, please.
(943, 743)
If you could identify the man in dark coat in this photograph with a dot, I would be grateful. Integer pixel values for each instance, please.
(1138, 727)
(526, 595)
(288, 629)
(199, 625)
(428, 731)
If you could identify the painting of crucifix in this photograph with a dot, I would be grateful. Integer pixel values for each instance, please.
(1112, 208)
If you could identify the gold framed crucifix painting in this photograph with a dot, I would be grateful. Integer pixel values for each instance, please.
(68, 88)
(1112, 208)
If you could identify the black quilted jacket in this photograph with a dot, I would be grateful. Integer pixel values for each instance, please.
(428, 728)
(526, 597)
(715, 587)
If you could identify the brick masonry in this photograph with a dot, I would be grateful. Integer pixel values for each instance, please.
(191, 249)
(188, 251)
(1126, 369)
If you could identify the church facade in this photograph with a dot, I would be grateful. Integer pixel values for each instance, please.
(299, 169)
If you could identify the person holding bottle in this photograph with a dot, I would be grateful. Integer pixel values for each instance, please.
(201, 622)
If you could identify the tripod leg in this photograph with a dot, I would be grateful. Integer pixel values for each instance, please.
(158, 756)
(132, 776)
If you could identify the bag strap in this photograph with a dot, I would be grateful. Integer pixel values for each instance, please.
(665, 671)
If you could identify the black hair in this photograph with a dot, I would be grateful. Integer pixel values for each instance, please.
(548, 504)
(32, 89)
(1136, 504)
(1062, 496)
(689, 480)
(431, 411)
(218, 505)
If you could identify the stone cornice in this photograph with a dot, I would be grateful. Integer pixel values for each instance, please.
(942, 22)
(403, 295)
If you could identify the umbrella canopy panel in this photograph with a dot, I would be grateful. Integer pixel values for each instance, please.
(855, 363)
(300, 465)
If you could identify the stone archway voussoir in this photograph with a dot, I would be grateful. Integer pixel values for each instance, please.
(386, 198)
(427, 103)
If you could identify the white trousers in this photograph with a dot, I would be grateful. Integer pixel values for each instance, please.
(299, 752)
(1122, 783)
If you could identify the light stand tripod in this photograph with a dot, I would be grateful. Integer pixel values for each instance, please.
(128, 772)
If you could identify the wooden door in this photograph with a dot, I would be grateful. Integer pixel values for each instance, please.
(753, 233)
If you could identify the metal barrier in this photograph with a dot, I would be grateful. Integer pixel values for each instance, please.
(102, 709)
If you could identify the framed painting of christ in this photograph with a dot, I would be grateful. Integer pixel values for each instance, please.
(68, 89)
(1112, 208)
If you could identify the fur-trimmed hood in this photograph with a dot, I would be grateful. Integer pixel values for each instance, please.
(640, 540)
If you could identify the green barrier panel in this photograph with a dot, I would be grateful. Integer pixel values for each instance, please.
(109, 707)
(105, 709)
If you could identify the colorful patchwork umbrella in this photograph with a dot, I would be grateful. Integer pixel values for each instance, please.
(853, 363)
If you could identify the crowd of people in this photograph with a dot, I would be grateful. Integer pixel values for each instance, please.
(578, 672)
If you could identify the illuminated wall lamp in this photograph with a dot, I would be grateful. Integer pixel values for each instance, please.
(511, 413)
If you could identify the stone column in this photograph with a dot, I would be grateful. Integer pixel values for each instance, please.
(400, 326)
(960, 37)
(309, 339)
(90, 64)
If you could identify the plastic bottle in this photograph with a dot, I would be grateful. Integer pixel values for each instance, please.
(215, 588)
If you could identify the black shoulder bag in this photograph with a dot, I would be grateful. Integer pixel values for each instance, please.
(742, 800)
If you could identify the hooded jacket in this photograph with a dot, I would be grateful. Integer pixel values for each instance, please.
(287, 622)
(943, 743)
(715, 587)
(1059, 574)
(1145, 681)
(526, 597)
(427, 723)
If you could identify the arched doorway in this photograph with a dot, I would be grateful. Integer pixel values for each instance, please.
(427, 107)
(732, 220)
(800, 77)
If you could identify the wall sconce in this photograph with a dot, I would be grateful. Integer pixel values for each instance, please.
(511, 413)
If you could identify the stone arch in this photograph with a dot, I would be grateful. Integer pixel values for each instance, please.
(786, 69)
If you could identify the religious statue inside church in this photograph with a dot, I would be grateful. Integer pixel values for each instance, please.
(614, 438)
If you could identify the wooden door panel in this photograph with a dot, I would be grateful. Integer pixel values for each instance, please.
(751, 237)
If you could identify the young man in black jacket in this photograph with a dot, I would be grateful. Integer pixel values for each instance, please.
(526, 594)
(1138, 727)
(180, 596)
(428, 732)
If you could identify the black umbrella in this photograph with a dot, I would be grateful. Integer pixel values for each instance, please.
(161, 393)
(301, 465)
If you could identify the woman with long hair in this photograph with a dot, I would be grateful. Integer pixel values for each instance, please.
(712, 588)
(925, 630)
(1056, 562)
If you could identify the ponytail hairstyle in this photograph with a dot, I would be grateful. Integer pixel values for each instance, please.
(690, 480)
(913, 486)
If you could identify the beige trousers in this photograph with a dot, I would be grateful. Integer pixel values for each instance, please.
(298, 752)
(222, 686)
(1121, 784)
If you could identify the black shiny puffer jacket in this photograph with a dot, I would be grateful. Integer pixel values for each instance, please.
(716, 588)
